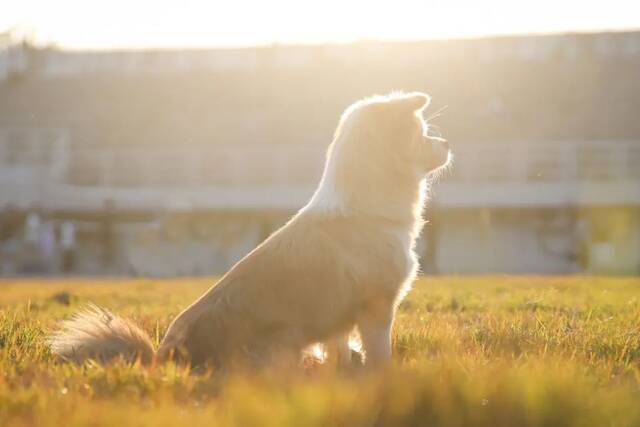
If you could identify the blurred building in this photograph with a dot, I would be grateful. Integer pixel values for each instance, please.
(179, 162)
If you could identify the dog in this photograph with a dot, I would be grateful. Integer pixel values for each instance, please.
(345, 260)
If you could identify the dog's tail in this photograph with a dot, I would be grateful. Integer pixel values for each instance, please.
(97, 333)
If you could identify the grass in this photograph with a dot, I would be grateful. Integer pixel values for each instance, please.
(480, 351)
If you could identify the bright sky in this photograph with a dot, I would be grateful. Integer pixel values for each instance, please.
(197, 23)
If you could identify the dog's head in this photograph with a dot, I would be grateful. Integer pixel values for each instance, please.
(391, 129)
(380, 156)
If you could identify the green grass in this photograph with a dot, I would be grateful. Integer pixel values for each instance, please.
(483, 351)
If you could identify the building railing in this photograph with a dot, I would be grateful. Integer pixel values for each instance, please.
(43, 169)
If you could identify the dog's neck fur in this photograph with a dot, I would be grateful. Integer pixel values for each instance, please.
(403, 206)
(344, 192)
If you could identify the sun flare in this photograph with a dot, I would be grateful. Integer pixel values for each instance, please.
(143, 24)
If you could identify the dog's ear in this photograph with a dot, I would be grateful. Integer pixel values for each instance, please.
(416, 101)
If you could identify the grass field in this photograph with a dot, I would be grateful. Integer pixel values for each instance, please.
(484, 351)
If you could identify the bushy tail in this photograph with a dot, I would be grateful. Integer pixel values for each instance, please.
(97, 333)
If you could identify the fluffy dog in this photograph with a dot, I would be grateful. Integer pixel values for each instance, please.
(345, 259)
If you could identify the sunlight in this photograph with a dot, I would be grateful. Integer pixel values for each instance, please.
(143, 24)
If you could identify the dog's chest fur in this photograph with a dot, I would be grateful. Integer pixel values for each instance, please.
(372, 257)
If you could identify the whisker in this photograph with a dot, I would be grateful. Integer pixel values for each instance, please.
(437, 113)
(436, 128)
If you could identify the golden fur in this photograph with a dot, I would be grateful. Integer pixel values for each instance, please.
(345, 259)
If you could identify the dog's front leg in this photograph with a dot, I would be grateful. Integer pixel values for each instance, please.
(375, 330)
(338, 350)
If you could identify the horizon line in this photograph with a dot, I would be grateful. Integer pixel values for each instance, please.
(292, 43)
